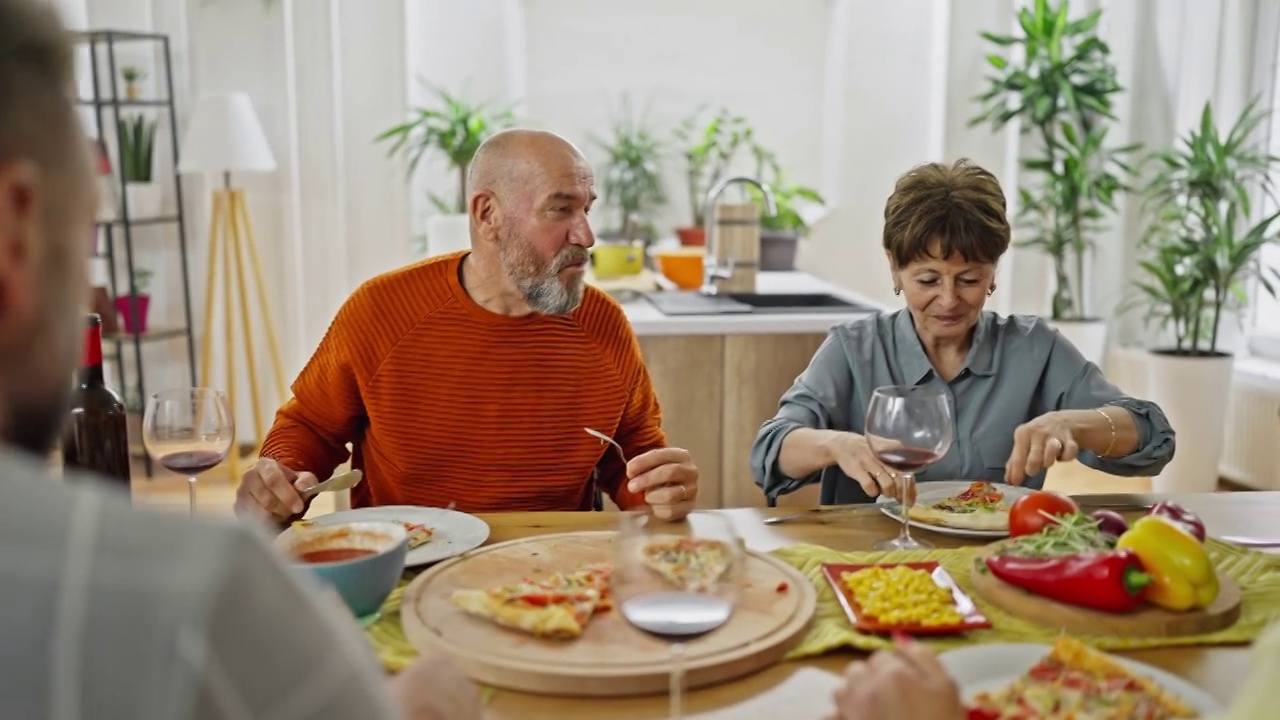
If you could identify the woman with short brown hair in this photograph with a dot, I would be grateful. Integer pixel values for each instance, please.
(1023, 396)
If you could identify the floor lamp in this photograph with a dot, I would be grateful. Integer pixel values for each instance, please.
(225, 137)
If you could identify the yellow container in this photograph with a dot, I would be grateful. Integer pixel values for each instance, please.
(682, 265)
(617, 259)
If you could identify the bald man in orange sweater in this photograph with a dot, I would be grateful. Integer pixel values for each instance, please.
(467, 379)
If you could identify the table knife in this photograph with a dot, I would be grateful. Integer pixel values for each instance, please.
(1114, 501)
(818, 513)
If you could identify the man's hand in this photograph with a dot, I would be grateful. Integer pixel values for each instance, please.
(271, 491)
(433, 688)
(669, 480)
(905, 682)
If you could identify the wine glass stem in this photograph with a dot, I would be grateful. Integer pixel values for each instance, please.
(677, 679)
(908, 491)
(191, 493)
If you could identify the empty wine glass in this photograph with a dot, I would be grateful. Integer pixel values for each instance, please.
(676, 581)
(909, 428)
(188, 431)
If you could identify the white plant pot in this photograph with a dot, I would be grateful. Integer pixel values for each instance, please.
(1088, 336)
(1193, 392)
(144, 200)
(448, 233)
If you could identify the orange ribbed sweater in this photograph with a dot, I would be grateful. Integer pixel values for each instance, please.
(443, 401)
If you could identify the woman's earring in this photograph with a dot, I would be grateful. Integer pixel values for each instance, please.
(992, 291)
(897, 291)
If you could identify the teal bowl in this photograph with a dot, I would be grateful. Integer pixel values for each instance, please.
(363, 561)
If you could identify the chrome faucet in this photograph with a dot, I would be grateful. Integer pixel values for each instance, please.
(712, 270)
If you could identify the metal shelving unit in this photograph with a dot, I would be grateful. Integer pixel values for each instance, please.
(108, 101)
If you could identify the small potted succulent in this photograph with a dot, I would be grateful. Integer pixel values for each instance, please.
(132, 74)
(141, 299)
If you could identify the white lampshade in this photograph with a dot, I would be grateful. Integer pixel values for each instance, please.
(225, 136)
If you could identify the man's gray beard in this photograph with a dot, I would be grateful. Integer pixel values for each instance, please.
(544, 293)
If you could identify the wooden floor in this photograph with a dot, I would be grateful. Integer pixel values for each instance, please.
(215, 491)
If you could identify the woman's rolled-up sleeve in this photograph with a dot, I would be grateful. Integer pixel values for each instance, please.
(1085, 388)
(818, 399)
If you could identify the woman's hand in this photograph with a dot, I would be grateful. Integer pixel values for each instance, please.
(852, 453)
(1037, 445)
(905, 682)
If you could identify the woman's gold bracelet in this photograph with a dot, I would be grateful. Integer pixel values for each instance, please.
(1112, 424)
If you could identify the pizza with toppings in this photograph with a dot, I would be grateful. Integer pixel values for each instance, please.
(557, 606)
(981, 506)
(688, 563)
(419, 534)
(1076, 682)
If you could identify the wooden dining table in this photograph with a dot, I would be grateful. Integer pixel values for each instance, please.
(803, 688)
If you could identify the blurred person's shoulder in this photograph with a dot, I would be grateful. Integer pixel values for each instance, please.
(56, 523)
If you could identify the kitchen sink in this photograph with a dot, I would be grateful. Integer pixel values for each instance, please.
(695, 303)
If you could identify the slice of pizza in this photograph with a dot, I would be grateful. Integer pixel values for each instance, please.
(419, 534)
(1075, 681)
(981, 506)
(689, 563)
(558, 606)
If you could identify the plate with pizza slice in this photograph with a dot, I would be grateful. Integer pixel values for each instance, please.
(964, 508)
(435, 534)
(1021, 681)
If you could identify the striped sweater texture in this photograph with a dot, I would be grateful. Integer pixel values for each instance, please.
(445, 402)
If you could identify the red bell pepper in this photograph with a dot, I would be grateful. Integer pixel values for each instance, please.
(1108, 581)
(1180, 515)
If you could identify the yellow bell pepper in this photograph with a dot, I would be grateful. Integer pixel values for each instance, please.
(1184, 577)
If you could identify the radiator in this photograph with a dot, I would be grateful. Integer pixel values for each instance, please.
(1251, 449)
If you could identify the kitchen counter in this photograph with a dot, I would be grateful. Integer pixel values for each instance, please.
(647, 320)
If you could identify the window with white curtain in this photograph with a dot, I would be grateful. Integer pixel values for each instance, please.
(1265, 309)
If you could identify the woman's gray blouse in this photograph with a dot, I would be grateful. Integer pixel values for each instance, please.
(1018, 368)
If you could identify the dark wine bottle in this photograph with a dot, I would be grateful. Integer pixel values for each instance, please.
(97, 434)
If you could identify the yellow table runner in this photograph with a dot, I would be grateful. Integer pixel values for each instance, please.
(1258, 575)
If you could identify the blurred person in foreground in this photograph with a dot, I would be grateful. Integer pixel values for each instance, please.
(1022, 396)
(109, 612)
(908, 682)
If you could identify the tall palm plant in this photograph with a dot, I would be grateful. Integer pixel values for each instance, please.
(454, 130)
(1202, 244)
(1061, 87)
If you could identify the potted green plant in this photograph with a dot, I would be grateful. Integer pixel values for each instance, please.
(137, 139)
(780, 234)
(132, 75)
(1201, 252)
(708, 150)
(1061, 88)
(455, 131)
(139, 299)
(632, 190)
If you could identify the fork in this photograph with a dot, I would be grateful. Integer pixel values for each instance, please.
(606, 439)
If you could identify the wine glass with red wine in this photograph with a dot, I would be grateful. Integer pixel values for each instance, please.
(188, 431)
(908, 428)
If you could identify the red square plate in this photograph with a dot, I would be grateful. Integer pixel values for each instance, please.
(973, 617)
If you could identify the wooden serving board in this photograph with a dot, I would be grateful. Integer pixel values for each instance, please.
(1147, 621)
(612, 658)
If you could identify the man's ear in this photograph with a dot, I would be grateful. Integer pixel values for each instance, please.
(20, 203)
(486, 215)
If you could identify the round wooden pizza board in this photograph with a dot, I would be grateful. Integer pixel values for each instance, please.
(1147, 621)
(612, 658)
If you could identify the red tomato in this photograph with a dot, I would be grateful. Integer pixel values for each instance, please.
(1026, 518)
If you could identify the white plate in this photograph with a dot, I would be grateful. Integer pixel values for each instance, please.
(928, 493)
(991, 667)
(454, 532)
